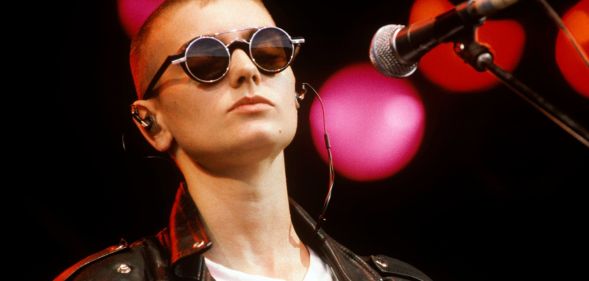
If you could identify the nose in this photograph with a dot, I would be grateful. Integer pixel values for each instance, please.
(242, 69)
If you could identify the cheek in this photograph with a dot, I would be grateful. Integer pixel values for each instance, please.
(290, 115)
(189, 112)
(288, 99)
(183, 110)
(283, 85)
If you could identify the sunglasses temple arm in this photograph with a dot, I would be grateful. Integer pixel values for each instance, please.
(169, 60)
(297, 42)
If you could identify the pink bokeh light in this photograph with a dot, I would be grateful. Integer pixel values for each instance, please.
(375, 123)
(132, 13)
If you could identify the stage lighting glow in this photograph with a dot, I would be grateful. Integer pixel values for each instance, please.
(572, 67)
(443, 67)
(132, 13)
(375, 123)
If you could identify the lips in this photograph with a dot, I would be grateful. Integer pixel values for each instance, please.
(245, 101)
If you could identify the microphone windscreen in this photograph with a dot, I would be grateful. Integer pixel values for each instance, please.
(384, 56)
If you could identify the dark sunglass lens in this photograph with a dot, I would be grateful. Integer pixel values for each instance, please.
(271, 49)
(207, 59)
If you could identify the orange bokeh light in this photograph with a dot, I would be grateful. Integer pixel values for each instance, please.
(443, 67)
(571, 65)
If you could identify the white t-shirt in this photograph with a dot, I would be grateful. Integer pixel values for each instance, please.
(318, 271)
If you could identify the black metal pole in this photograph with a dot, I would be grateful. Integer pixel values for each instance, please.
(480, 58)
(538, 102)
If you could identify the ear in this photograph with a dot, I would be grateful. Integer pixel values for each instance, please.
(145, 117)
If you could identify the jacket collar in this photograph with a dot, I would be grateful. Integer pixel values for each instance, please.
(187, 234)
(186, 239)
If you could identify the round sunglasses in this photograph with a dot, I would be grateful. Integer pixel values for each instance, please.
(206, 58)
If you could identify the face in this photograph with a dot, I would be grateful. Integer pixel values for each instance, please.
(247, 116)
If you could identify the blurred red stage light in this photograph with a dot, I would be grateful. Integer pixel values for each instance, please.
(572, 67)
(443, 67)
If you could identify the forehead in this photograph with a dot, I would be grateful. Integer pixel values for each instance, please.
(192, 19)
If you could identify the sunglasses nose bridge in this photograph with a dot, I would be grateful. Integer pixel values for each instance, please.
(243, 45)
(239, 44)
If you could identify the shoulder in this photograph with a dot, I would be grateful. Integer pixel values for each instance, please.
(120, 262)
(396, 269)
(385, 267)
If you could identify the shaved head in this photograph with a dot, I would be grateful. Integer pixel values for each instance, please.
(141, 57)
(141, 66)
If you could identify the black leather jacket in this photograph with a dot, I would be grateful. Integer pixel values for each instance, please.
(175, 253)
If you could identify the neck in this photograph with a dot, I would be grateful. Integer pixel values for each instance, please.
(247, 216)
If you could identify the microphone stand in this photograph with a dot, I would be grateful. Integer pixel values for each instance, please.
(480, 58)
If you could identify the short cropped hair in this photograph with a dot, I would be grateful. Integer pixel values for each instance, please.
(141, 67)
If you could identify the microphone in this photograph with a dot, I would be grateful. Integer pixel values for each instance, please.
(396, 49)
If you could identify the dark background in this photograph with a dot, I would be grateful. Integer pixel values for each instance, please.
(496, 191)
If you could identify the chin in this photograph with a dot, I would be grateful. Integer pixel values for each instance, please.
(258, 137)
(274, 137)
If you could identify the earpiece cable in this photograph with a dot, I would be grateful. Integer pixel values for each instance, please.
(322, 218)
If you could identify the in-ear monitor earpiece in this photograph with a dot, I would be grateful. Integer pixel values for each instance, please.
(145, 123)
(301, 92)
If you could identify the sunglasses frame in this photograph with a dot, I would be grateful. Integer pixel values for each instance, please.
(181, 58)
